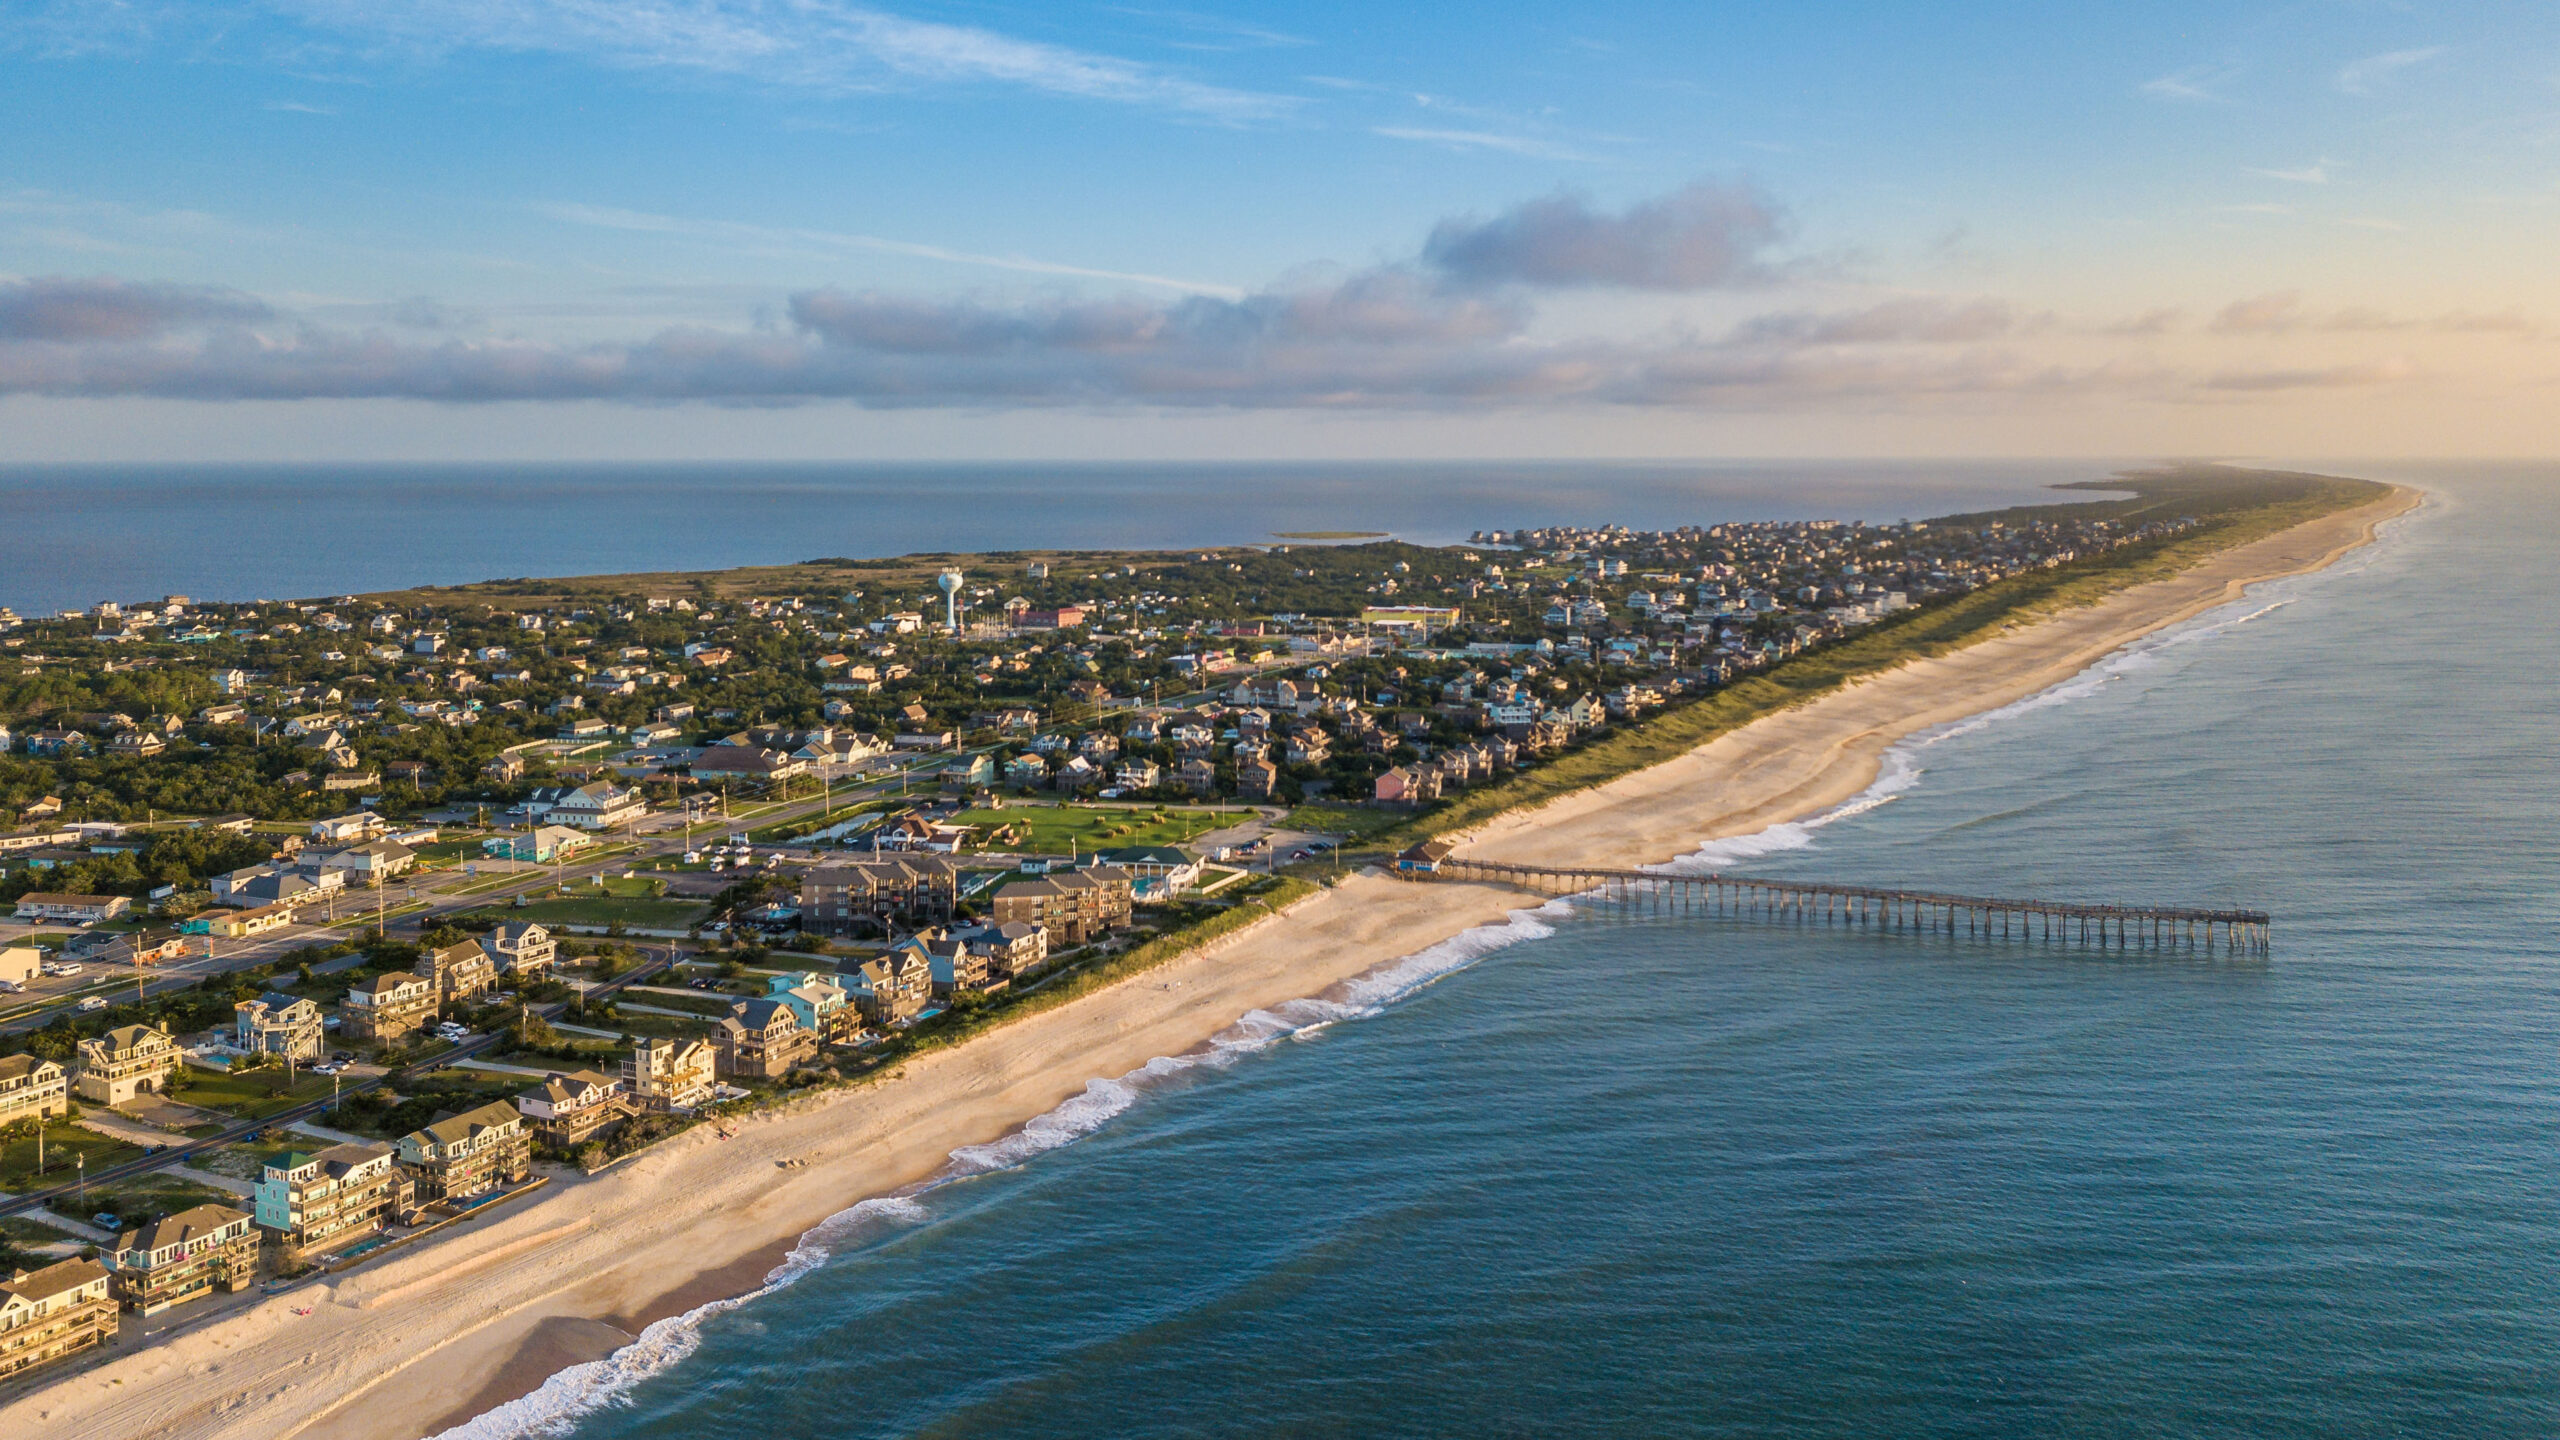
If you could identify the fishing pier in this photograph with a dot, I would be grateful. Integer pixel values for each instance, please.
(1668, 892)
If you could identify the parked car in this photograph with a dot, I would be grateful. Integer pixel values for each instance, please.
(94, 1002)
(106, 1220)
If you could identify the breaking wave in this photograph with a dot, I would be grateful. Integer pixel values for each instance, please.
(581, 1390)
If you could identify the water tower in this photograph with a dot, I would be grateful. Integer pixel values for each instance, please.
(949, 580)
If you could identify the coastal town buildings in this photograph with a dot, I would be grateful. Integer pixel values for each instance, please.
(389, 1006)
(185, 1257)
(850, 897)
(1073, 906)
(467, 1155)
(127, 1061)
(666, 1075)
(278, 1024)
(52, 1313)
(571, 1107)
(460, 971)
(761, 1039)
(521, 949)
(308, 1203)
(32, 1088)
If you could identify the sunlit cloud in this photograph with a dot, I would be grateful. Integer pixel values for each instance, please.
(2307, 175)
(2374, 72)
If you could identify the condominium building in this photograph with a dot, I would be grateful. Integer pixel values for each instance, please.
(664, 1075)
(855, 896)
(31, 1089)
(127, 1061)
(185, 1257)
(53, 1312)
(1074, 905)
(468, 1154)
(277, 1024)
(387, 1007)
(308, 1203)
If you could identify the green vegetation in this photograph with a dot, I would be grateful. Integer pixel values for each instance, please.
(386, 1113)
(251, 1095)
(1358, 822)
(601, 910)
(2260, 510)
(65, 1141)
(1051, 829)
(144, 1198)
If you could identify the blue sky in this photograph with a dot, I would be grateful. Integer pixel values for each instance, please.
(801, 227)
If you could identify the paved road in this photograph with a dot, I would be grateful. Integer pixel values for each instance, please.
(178, 1151)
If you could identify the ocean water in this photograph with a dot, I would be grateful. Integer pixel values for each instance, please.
(79, 534)
(1601, 1174)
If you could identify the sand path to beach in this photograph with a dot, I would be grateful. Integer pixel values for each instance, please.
(446, 1330)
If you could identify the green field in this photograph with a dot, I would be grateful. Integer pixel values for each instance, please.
(64, 1142)
(251, 1096)
(604, 910)
(1050, 829)
(1357, 822)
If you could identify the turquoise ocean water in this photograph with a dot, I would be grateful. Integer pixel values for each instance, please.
(1592, 1174)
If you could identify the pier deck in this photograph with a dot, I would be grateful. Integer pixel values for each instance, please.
(2151, 927)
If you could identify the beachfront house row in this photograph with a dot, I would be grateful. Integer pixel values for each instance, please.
(468, 1154)
(1074, 905)
(458, 971)
(185, 1257)
(277, 1024)
(761, 1039)
(309, 1203)
(47, 1314)
(521, 948)
(665, 1075)
(389, 1006)
(127, 1061)
(847, 897)
(73, 909)
(571, 1107)
(31, 1089)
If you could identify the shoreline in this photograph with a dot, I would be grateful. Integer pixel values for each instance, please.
(425, 1337)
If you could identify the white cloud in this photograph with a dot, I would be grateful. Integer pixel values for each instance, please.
(2375, 72)
(2308, 175)
(806, 44)
(2194, 85)
(1522, 145)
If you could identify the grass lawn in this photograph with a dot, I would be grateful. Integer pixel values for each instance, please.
(1050, 829)
(251, 1096)
(145, 1198)
(244, 1160)
(64, 1142)
(1350, 820)
(605, 910)
(664, 1027)
(24, 1231)
(698, 1002)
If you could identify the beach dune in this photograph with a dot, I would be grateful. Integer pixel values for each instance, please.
(434, 1335)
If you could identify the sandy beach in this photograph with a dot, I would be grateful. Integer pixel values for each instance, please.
(444, 1331)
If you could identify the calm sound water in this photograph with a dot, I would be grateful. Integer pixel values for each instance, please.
(1628, 1175)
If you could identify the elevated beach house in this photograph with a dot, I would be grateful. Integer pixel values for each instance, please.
(308, 1203)
(185, 1257)
(54, 1312)
(277, 1024)
(468, 1154)
(31, 1088)
(127, 1061)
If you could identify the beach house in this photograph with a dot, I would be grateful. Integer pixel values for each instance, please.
(665, 1075)
(524, 948)
(387, 1007)
(277, 1024)
(31, 1088)
(185, 1257)
(894, 986)
(307, 1203)
(47, 1314)
(127, 1061)
(761, 1039)
(468, 1154)
(824, 1006)
(571, 1107)
(458, 971)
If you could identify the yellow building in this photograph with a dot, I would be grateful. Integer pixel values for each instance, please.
(31, 1088)
(185, 1257)
(53, 1312)
(127, 1061)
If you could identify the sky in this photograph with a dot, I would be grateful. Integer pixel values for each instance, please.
(740, 229)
